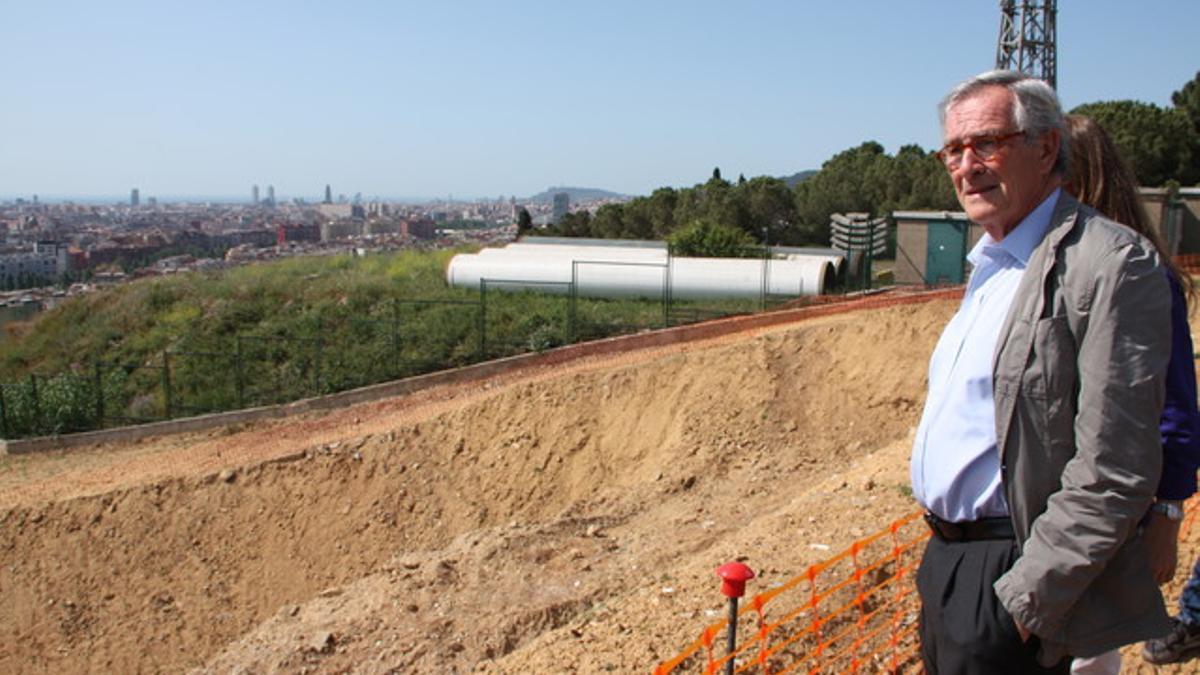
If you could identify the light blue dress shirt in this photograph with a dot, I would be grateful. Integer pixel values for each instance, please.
(955, 467)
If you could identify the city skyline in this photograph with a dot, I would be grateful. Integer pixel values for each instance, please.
(409, 102)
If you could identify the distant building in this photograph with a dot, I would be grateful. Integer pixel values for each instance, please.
(341, 229)
(293, 233)
(134, 198)
(562, 203)
(48, 261)
(328, 194)
(271, 195)
(254, 195)
(422, 228)
(382, 226)
(253, 238)
(335, 210)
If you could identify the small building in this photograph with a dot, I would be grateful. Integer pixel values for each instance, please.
(932, 246)
(1178, 220)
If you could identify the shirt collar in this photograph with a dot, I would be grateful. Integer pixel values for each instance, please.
(1020, 242)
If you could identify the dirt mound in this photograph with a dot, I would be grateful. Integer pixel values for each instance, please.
(556, 521)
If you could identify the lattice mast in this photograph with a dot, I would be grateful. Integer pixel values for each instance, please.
(1027, 39)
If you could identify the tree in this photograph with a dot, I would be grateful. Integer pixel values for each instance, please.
(1187, 101)
(704, 238)
(769, 204)
(1158, 143)
(716, 173)
(524, 222)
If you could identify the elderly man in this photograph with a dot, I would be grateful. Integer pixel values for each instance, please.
(1038, 449)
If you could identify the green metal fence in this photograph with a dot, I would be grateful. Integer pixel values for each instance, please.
(397, 338)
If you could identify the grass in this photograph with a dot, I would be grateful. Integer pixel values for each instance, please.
(277, 331)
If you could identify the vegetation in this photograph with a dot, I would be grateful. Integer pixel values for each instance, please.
(766, 209)
(1161, 144)
(704, 238)
(273, 332)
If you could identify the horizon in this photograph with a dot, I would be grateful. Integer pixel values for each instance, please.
(201, 102)
(123, 200)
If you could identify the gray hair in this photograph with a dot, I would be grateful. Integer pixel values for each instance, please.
(1035, 110)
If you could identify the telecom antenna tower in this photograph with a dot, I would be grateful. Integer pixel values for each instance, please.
(1027, 41)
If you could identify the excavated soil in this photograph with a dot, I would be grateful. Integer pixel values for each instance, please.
(561, 519)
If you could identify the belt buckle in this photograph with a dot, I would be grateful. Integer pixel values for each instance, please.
(948, 531)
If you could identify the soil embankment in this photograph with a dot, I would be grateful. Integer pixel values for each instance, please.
(558, 520)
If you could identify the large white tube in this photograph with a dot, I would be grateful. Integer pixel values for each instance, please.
(598, 275)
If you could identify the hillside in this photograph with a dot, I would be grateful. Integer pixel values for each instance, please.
(576, 194)
(272, 332)
(565, 519)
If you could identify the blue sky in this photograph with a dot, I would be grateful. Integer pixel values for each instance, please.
(481, 99)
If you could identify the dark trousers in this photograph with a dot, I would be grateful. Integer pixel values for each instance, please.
(964, 628)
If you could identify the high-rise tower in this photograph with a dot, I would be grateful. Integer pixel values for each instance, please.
(254, 195)
(134, 197)
(328, 194)
(1027, 38)
(271, 195)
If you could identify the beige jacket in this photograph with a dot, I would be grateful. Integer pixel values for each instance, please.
(1079, 390)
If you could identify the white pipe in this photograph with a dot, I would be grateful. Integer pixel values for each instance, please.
(601, 276)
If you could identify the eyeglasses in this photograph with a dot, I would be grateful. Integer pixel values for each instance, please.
(984, 147)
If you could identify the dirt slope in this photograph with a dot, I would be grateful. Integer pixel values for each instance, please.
(565, 520)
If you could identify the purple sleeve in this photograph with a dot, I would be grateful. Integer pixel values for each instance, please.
(1180, 420)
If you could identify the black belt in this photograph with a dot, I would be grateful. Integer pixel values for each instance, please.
(972, 530)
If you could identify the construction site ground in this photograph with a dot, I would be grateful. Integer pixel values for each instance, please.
(550, 520)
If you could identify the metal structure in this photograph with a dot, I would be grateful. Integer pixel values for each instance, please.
(856, 233)
(1027, 39)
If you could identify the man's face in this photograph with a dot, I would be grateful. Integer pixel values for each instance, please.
(998, 192)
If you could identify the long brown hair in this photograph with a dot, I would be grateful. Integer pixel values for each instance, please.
(1100, 178)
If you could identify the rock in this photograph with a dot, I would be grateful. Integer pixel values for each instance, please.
(227, 475)
(594, 530)
(321, 643)
(868, 484)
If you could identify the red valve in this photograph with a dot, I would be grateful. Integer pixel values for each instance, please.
(734, 576)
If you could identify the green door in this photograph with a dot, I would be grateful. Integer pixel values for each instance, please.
(946, 251)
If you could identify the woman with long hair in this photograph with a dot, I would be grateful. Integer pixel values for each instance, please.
(1100, 178)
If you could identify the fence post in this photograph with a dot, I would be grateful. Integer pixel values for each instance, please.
(573, 305)
(37, 404)
(482, 319)
(166, 383)
(98, 375)
(239, 384)
(3, 413)
(317, 368)
(670, 300)
(395, 337)
(766, 271)
(666, 296)
(734, 576)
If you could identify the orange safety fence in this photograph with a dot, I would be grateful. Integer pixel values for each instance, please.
(856, 611)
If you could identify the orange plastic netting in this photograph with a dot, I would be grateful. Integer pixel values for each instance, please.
(856, 611)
